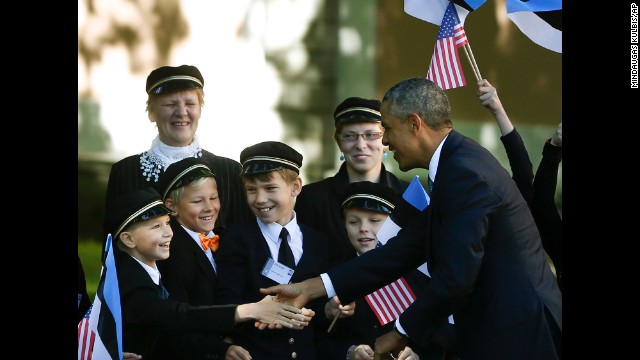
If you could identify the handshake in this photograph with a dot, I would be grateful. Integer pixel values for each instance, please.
(275, 314)
(290, 299)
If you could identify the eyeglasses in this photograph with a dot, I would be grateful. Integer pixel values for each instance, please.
(350, 136)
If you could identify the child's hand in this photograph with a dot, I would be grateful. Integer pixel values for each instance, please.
(334, 307)
(276, 315)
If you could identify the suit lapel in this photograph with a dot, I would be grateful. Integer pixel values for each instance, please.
(185, 240)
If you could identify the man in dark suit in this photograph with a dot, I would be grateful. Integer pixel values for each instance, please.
(478, 237)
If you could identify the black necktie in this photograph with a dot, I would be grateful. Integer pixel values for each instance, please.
(163, 290)
(285, 255)
(430, 183)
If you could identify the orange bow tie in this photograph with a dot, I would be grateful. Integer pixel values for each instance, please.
(211, 242)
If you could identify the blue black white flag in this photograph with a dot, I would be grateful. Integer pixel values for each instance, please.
(433, 10)
(100, 331)
(539, 20)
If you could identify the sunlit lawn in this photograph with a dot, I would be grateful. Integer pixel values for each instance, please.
(89, 251)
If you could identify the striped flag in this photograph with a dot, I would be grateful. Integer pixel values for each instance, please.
(445, 68)
(390, 301)
(539, 20)
(432, 11)
(100, 331)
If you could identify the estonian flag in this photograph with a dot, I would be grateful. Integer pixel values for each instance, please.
(100, 331)
(433, 10)
(539, 20)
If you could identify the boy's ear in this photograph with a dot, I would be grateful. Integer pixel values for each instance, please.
(296, 187)
(171, 205)
(127, 240)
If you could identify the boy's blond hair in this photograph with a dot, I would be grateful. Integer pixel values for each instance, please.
(289, 176)
(177, 193)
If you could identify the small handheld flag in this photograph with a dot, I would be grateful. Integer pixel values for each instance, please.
(100, 331)
(445, 68)
(416, 195)
(390, 301)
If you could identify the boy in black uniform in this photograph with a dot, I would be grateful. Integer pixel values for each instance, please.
(271, 249)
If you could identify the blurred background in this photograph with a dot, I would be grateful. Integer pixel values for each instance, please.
(275, 70)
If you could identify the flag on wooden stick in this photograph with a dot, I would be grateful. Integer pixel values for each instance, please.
(445, 68)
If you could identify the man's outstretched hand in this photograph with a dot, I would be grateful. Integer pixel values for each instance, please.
(298, 294)
(291, 294)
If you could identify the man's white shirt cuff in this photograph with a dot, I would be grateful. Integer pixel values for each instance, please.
(328, 285)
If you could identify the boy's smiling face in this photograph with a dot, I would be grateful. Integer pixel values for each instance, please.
(362, 228)
(198, 207)
(148, 240)
(273, 200)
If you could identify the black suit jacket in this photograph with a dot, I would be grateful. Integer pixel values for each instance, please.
(126, 175)
(146, 311)
(241, 256)
(189, 277)
(319, 205)
(485, 257)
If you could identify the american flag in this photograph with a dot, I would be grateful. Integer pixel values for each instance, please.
(100, 331)
(86, 337)
(390, 301)
(445, 68)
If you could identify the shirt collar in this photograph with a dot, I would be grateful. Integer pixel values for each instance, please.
(435, 160)
(152, 271)
(272, 231)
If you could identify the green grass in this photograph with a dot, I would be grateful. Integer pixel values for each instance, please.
(89, 252)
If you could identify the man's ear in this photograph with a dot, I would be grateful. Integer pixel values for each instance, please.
(151, 116)
(416, 122)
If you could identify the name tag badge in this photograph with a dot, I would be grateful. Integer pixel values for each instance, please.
(277, 272)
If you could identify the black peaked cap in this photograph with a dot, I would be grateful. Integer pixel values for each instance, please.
(356, 109)
(268, 156)
(137, 205)
(371, 196)
(181, 173)
(168, 79)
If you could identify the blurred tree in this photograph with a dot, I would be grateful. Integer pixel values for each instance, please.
(147, 28)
